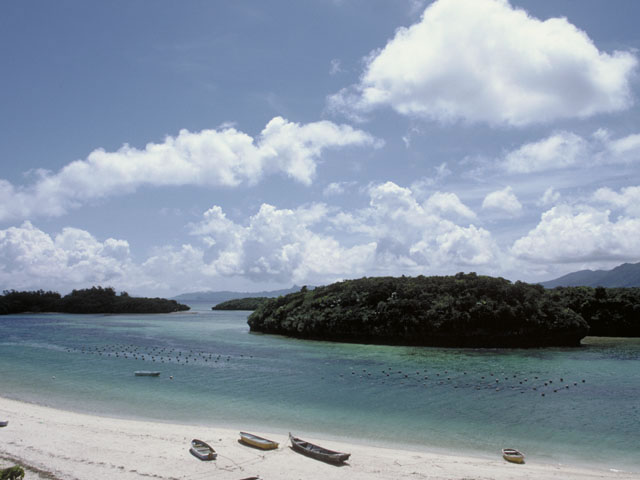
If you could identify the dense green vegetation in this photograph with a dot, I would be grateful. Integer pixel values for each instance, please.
(460, 310)
(610, 312)
(12, 473)
(90, 300)
(248, 303)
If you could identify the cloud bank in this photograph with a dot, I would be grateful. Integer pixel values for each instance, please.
(575, 234)
(395, 234)
(217, 158)
(73, 258)
(485, 61)
(316, 243)
(567, 149)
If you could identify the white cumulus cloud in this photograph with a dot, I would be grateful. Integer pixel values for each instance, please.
(225, 157)
(73, 258)
(567, 149)
(337, 188)
(417, 236)
(570, 234)
(485, 61)
(504, 200)
(628, 199)
(621, 150)
(549, 197)
(449, 203)
(310, 244)
(563, 149)
(317, 243)
(278, 244)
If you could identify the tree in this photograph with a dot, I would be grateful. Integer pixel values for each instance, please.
(12, 473)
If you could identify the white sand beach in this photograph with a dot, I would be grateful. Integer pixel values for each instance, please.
(57, 444)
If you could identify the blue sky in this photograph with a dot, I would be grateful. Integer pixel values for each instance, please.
(164, 147)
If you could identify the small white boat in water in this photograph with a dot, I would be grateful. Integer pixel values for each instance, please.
(146, 373)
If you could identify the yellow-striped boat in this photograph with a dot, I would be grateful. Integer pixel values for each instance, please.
(512, 455)
(257, 442)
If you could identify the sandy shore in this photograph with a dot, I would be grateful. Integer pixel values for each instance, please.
(57, 444)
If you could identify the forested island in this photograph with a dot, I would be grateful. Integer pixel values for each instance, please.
(90, 300)
(465, 310)
(248, 303)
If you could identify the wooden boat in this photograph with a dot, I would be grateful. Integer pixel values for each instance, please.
(202, 450)
(317, 452)
(4, 423)
(512, 455)
(145, 373)
(258, 442)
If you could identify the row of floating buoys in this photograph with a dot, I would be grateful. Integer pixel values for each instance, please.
(492, 380)
(154, 354)
(495, 381)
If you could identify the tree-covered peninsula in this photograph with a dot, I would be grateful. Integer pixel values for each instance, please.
(90, 300)
(609, 312)
(465, 310)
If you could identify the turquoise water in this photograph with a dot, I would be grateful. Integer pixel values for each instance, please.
(440, 399)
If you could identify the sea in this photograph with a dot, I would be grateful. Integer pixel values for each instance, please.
(577, 406)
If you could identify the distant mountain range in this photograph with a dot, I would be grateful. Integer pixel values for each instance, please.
(625, 275)
(218, 297)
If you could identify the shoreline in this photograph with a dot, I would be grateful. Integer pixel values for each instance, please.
(64, 445)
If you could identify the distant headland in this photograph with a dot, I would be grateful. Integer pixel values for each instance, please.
(217, 297)
(247, 303)
(90, 300)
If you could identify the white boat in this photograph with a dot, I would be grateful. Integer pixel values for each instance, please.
(202, 450)
(146, 373)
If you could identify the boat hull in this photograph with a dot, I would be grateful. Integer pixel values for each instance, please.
(257, 442)
(4, 423)
(202, 450)
(512, 455)
(318, 452)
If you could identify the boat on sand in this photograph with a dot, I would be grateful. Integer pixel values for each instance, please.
(202, 450)
(4, 423)
(512, 455)
(317, 452)
(146, 373)
(257, 442)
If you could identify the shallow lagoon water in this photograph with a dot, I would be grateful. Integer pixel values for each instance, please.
(475, 400)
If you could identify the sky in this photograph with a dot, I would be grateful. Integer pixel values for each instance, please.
(163, 147)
